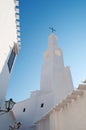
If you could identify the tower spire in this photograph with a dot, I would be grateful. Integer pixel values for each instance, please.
(52, 29)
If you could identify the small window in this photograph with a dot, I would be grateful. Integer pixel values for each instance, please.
(11, 60)
(42, 105)
(24, 109)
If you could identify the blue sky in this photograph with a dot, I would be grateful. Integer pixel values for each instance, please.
(68, 17)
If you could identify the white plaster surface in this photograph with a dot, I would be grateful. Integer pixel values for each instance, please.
(8, 36)
(6, 119)
(71, 116)
(7, 29)
(55, 84)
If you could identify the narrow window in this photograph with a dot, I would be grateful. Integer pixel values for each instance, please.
(42, 105)
(11, 60)
(24, 110)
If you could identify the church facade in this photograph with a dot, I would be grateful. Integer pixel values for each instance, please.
(55, 84)
(56, 105)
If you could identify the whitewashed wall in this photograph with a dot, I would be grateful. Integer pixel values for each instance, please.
(8, 35)
(74, 117)
(7, 29)
(6, 119)
(70, 116)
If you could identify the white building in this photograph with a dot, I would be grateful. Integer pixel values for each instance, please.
(69, 114)
(9, 43)
(55, 84)
(56, 106)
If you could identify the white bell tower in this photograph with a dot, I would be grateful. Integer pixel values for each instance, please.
(55, 84)
(54, 76)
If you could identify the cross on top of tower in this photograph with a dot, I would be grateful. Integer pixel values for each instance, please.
(52, 29)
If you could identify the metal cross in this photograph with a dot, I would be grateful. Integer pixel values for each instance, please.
(52, 29)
